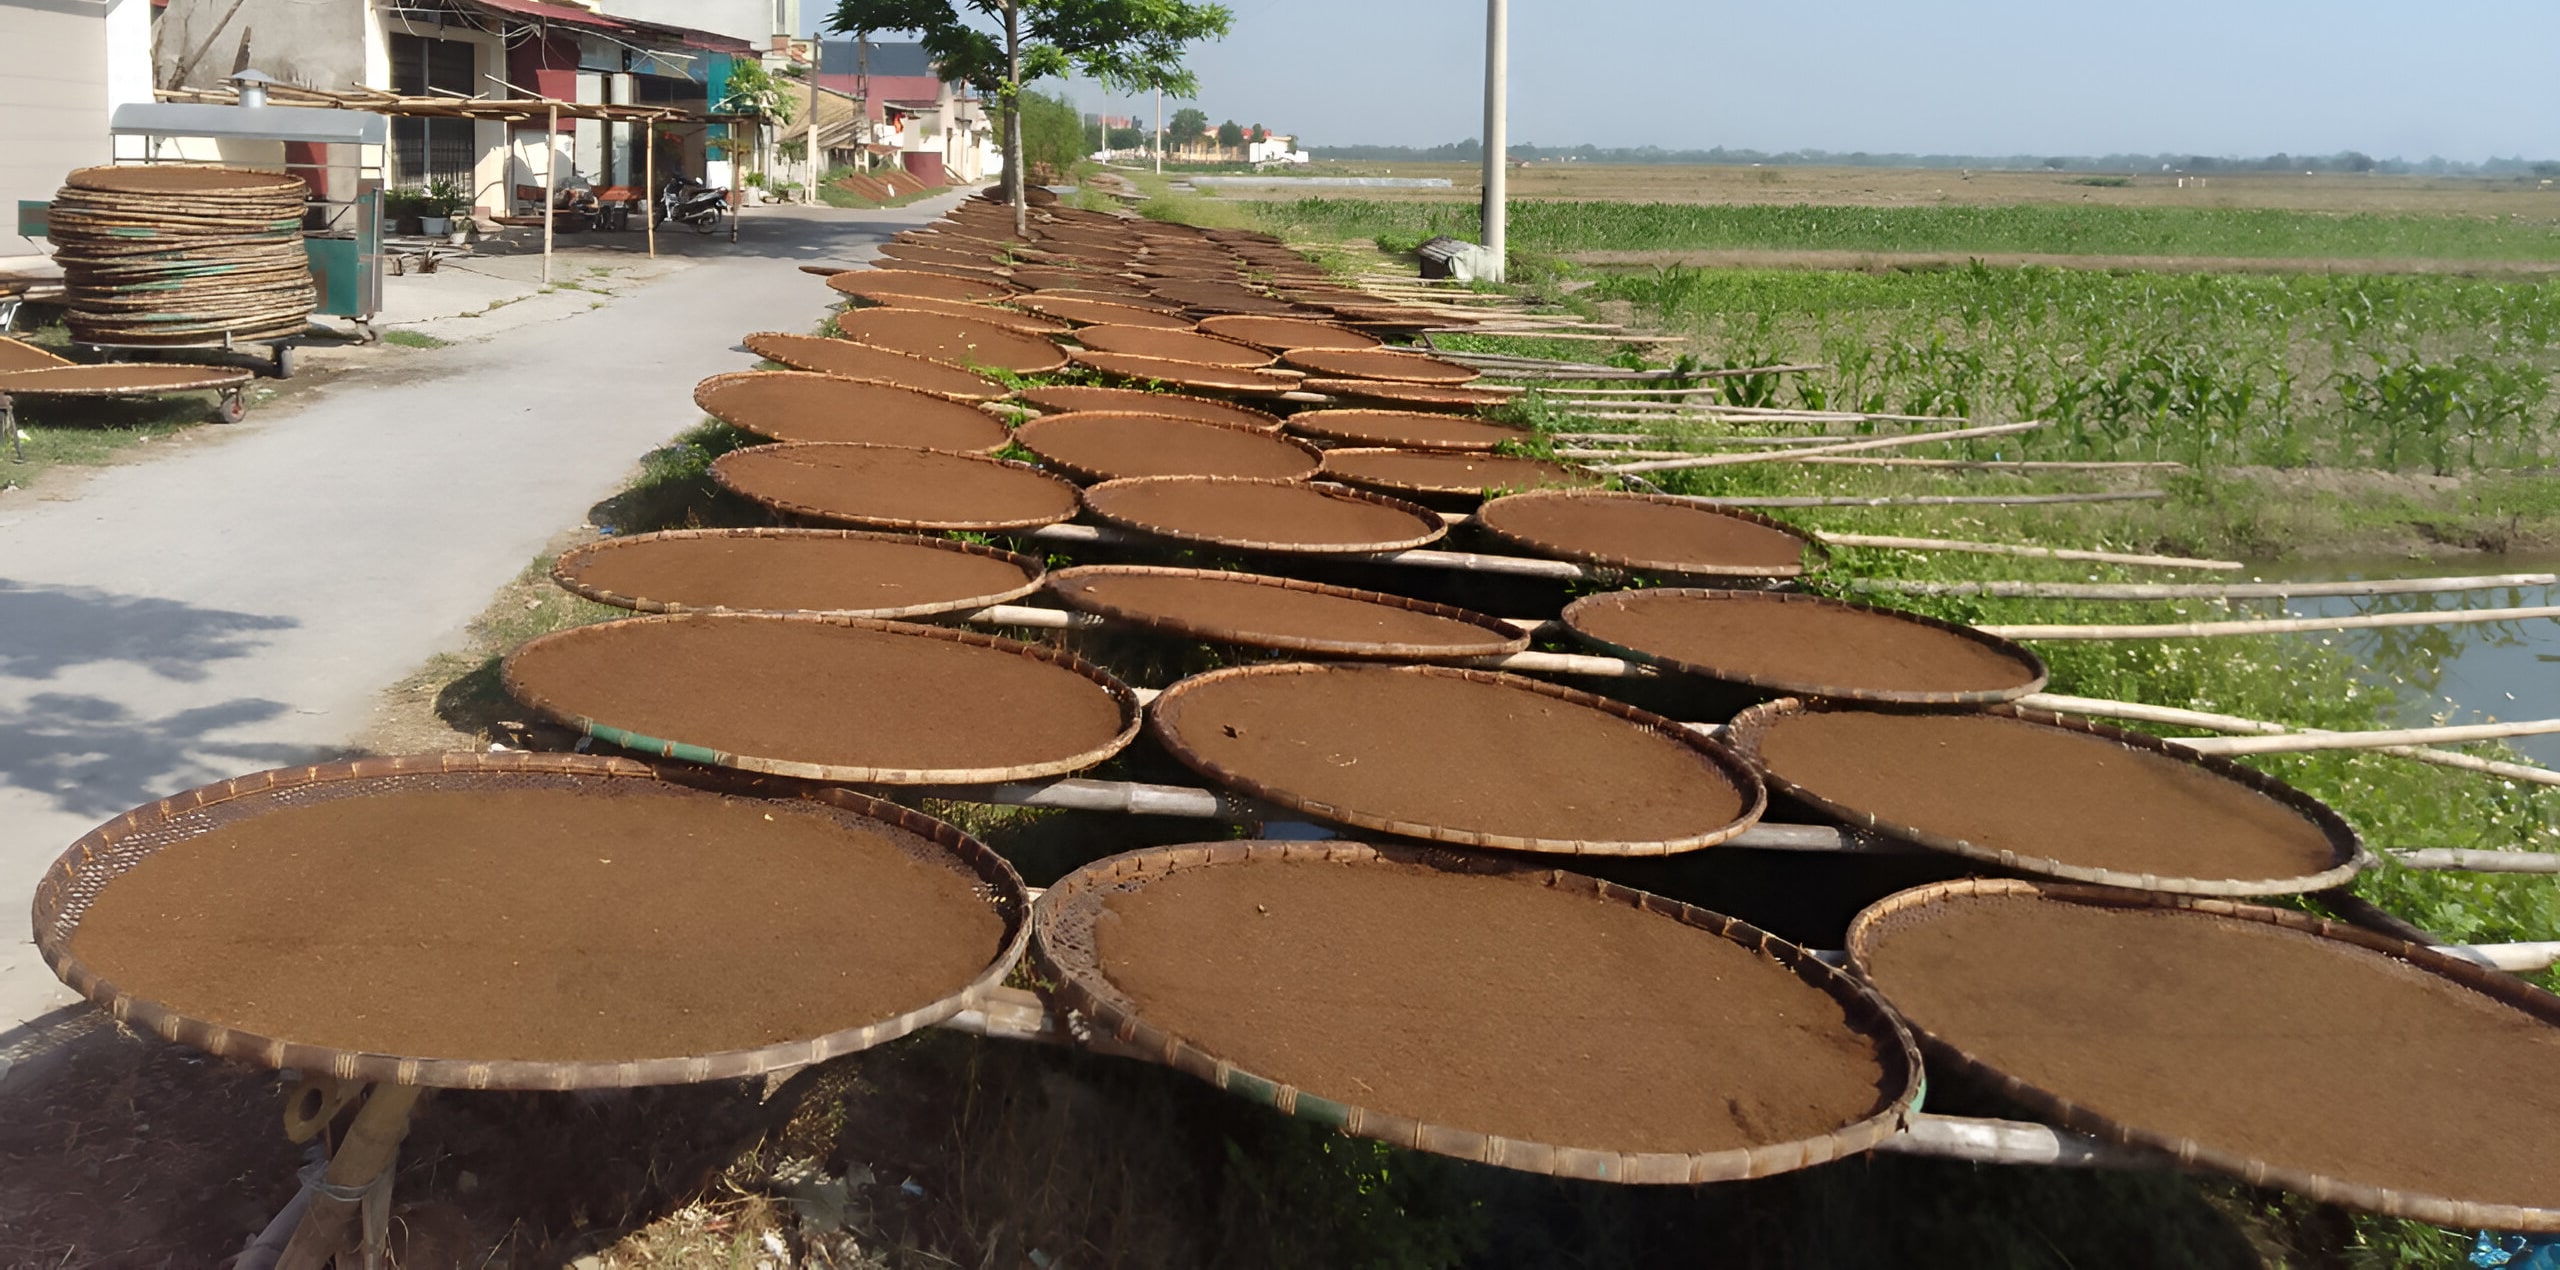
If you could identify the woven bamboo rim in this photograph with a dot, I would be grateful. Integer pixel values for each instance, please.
(721, 474)
(122, 379)
(809, 353)
(1746, 780)
(1063, 935)
(1406, 394)
(1070, 398)
(706, 394)
(63, 894)
(1329, 425)
(1197, 375)
(1082, 312)
(1501, 637)
(2016, 653)
(1746, 731)
(2505, 989)
(1242, 326)
(1433, 529)
(1131, 715)
(1560, 551)
(564, 574)
(1028, 435)
(1134, 301)
(1445, 491)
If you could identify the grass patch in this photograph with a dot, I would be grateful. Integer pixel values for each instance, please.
(1563, 226)
(413, 339)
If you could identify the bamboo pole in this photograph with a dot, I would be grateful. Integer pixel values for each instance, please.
(2013, 1142)
(1844, 447)
(2277, 626)
(2512, 958)
(1931, 500)
(2455, 859)
(649, 191)
(2224, 591)
(2304, 742)
(372, 1144)
(550, 185)
(1860, 460)
(2019, 549)
(2099, 708)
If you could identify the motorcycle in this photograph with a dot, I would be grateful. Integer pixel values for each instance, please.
(690, 202)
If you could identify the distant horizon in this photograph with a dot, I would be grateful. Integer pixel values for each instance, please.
(1471, 150)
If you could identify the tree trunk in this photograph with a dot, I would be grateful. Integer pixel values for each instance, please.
(1015, 180)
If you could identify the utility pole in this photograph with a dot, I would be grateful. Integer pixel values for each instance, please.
(1497, 141)
(1159, 131)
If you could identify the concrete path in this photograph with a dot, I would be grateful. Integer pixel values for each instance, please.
(239, 605)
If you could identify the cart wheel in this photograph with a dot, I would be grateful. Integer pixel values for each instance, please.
(232, 407)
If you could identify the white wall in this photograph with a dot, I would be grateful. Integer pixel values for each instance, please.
(754, 21)
(64, 65)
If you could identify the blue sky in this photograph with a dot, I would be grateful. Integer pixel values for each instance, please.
(2465, 79)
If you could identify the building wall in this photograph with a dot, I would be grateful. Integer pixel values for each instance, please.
(755, 21)
(68, 64)
(314, 45)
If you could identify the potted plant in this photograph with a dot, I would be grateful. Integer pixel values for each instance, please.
(400, 210)
(437, 206)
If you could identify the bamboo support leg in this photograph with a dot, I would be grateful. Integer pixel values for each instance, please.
(331, 1224)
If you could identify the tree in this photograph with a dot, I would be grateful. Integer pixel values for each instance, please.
(1188, 123)
(1229, 135)
(1258, 135)
(1130, 46)
(1053, 136)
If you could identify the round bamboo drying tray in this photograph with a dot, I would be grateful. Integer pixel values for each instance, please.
(1172, 346)
(513, 676)
(1494, 637)
(1873, 926)
(1068, 398)
(1111, 502)
(162, 256)
(1380, 363)
(1013, 320)
(1748, 729)
(1067, 948)
(1165, 721)
(1406, 430)
(870, 284)
(2031, 673)
(750, 473)
(1424, 395)
(119, 379)
(1084, 312)
(68, 889)
(569, 569)
(1449, 473)
(1281, 334)
(953, 341)
(1127, 299)
(1495, 512)
(845, 359)
(1194, 375)
(1106, 445)
(798, 405)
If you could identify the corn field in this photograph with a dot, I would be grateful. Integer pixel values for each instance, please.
(2390, 372)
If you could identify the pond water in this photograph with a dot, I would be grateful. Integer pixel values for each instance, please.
(2507, 671)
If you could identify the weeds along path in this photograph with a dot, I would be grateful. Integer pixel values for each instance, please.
(238, 606)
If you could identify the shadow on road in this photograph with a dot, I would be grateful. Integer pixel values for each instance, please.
(45, 629)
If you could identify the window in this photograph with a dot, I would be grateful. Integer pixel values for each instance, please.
(423, 150)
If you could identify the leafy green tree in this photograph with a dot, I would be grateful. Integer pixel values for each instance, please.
(1053, 136)
(996, 46)
(1229, 135)
(1258, 135)
(1188, 123)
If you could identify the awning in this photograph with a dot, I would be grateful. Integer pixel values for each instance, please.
(566, 15)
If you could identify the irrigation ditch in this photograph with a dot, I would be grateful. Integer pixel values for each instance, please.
(1320, 685)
